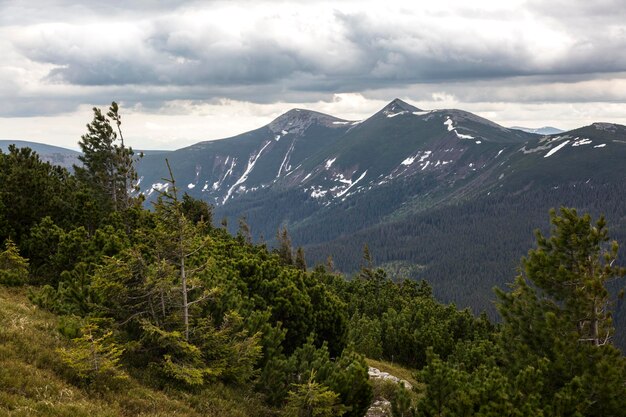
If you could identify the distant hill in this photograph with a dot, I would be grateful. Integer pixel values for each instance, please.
(546, 130)
(48, 153)
(64, 157)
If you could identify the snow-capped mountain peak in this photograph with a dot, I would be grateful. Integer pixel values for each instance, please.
(397, 107)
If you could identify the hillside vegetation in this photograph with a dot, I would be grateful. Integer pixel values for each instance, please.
(107, 308)
(34, 380)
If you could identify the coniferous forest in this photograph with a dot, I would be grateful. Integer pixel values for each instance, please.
(108, 308)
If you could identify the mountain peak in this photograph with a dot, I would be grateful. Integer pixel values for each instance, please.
(609, 127)
(397, 106)
(297, 120)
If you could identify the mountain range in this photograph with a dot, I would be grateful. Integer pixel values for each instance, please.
(329, 160)
(442, 194)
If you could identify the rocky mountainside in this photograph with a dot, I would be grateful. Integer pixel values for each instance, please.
(221, 171)
(330, 159)
(326, 178)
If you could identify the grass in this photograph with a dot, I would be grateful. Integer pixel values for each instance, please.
(386, 389)
(34, 381)
(394, 369)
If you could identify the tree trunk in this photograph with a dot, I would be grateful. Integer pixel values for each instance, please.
(183, 280)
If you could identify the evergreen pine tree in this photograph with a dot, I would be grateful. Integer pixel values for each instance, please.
(284, 246)
(300, 262)
(313, 399)
(177, 240)
(13, 268)
(558, 317)
(571, 270)
(107, 165)
(93, 354)
(367, 265)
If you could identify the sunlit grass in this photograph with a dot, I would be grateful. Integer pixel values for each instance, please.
(394, 369)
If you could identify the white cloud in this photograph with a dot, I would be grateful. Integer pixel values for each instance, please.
(192, 70)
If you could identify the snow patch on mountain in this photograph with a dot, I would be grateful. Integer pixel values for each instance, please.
(159, 186)
(330, 163)
(390, 115)
(286, 158)
(340, 177)
(556, 149)
(408, 161)
(352, 184)
(251, 162)
(217, 184)
(411, 159)
(451, 128)
(318, 193)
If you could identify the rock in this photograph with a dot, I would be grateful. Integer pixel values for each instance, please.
(380, 408)
(375, 373)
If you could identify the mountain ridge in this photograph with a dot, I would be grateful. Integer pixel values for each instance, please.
(55, 155)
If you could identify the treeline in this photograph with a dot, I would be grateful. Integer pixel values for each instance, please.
(165, 297)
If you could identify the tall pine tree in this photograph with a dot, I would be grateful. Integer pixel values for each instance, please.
(107, 163)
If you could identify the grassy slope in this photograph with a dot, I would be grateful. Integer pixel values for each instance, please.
(33, 381)
(394, 369)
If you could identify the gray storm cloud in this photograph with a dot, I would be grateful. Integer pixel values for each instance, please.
(239, 50)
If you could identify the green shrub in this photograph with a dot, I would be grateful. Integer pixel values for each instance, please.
(13, 268)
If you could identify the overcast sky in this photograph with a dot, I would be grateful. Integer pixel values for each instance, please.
(186, 71)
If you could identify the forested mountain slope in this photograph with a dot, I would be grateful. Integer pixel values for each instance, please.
(162, 312)
(443, 195)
